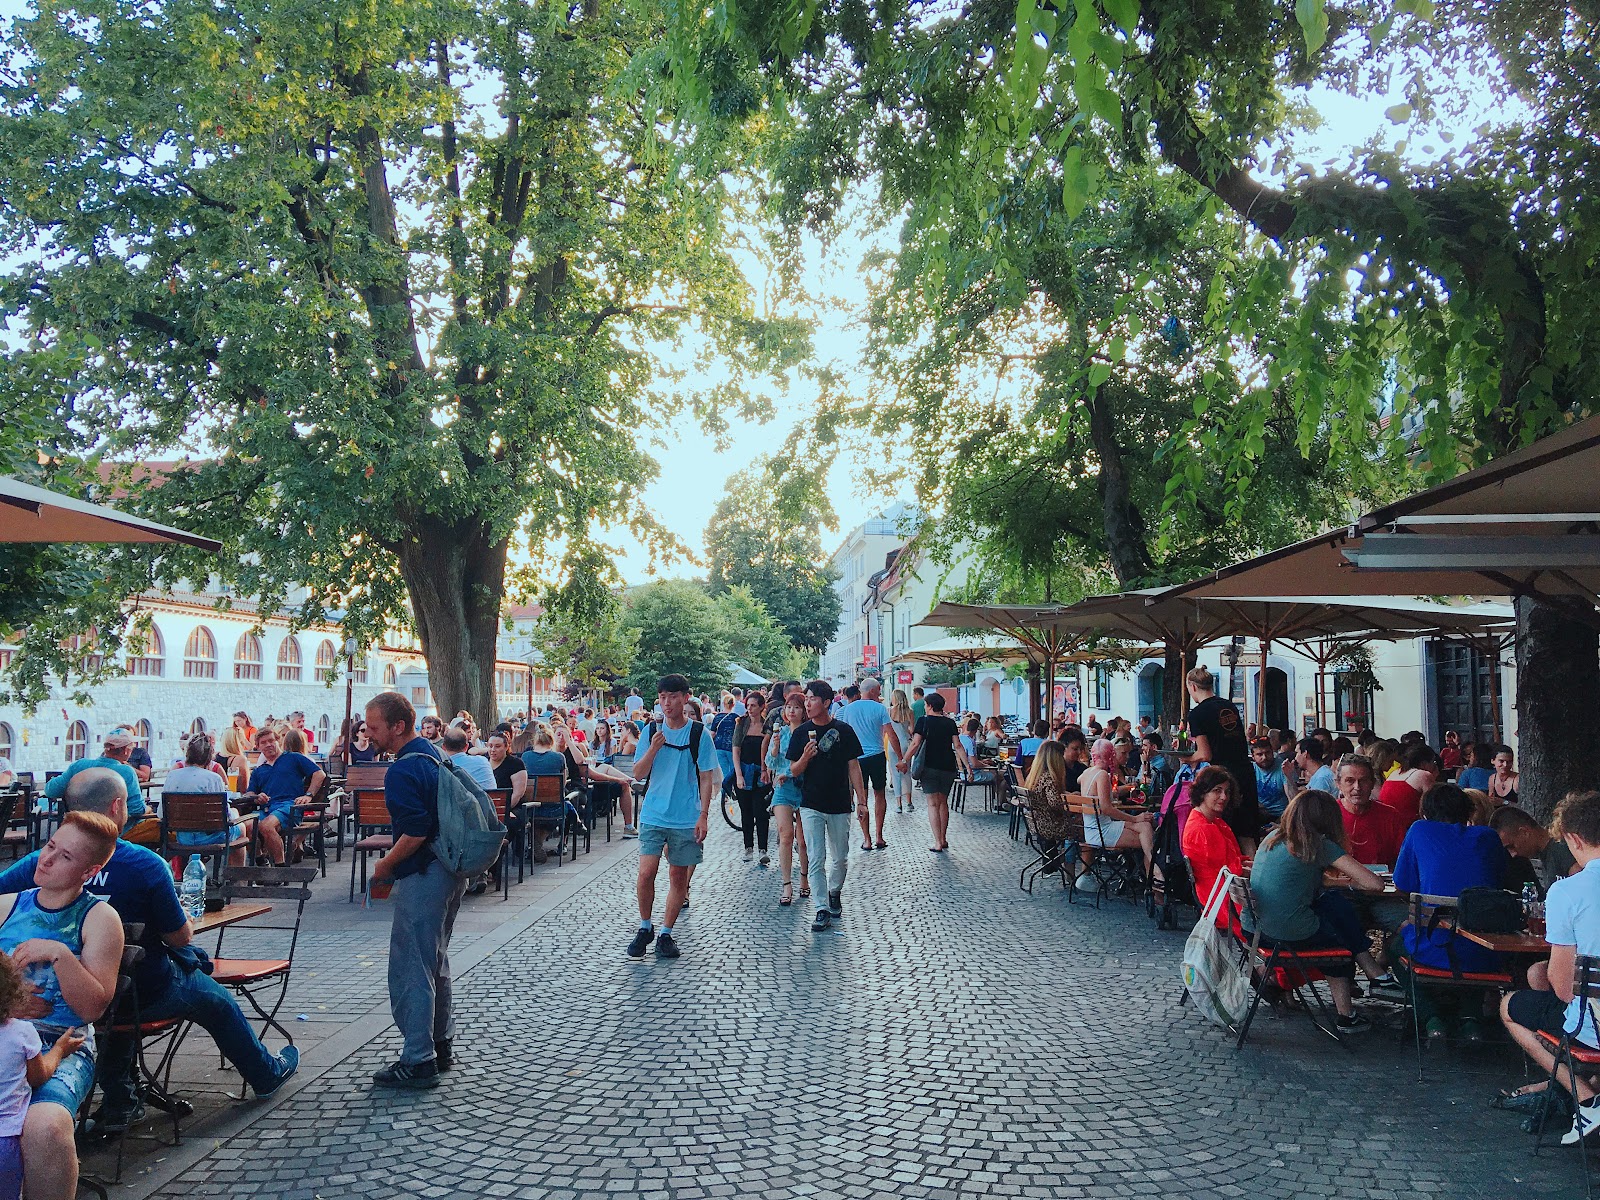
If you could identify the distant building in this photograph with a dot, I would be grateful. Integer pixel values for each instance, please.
(201, 664)
(863, 555)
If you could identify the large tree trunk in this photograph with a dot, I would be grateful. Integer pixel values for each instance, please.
(456, 577)
(1558, 724)
(1174, 667)
(1124, 526)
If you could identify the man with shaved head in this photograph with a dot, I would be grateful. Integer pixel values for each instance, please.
(138, 883)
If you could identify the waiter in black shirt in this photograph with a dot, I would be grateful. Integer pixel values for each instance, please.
(1219, 739)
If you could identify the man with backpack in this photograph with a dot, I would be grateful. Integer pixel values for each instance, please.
(425, 896)
(679, 763)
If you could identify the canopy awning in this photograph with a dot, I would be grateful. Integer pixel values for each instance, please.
(962, 652)
(36, 514)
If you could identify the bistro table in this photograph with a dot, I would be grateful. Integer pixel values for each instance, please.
(1508, 943)
(229, 914)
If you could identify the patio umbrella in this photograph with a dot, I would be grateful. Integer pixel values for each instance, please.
(36, 514)
(745, 677)
(962, 652)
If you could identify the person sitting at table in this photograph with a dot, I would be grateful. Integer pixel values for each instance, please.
(1442, 856)
(1403, 791)
(969, 744)
(1110, 828)
(1373, 832)
(281, 783)
(1029, 746)
(541, 759)
(233, 753)
(115, 752)
(1548, 1004)
(994, 734)
(1208, 842)
(1524, 838)
(1272, 791)
(196, 777)
(1293, 907)
(1053, 820)
(1479, 757)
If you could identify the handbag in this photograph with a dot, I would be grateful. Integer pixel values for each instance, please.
(919, 761)
(1489, 910)
(1218, 983)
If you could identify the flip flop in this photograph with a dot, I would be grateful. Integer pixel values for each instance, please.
(880, 845)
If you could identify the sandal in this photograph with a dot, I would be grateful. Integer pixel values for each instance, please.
(880, 845)
(867, 846)
(805, 891)
(1523, 1100)
(786, 894)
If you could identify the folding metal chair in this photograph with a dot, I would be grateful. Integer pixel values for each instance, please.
(1112, 870)
(546, 803)
(1264, 963)
(1573, 1054)
(1428, 914)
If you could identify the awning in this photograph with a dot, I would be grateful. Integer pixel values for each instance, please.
(36, 514)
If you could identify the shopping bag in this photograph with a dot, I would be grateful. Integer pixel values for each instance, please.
(1218, 983)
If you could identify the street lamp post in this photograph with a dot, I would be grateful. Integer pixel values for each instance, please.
(350, 648)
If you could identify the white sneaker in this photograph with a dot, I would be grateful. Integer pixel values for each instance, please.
(748, 854)
(1584, 1123)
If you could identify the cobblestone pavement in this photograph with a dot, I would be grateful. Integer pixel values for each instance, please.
(952, 1037)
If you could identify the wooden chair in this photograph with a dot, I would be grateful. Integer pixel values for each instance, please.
(546, 804)
(501, 799)
(1577, 1058)
(196, 812)
(264, 982)
(1265, 962)
(1428, 914)
(359, 775)
(373, 832)
(1111, 869)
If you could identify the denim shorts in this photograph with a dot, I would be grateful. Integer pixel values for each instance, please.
(682, 850)
(73, 1080)
(284, 810)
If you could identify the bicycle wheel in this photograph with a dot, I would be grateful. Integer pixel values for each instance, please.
(730, 811)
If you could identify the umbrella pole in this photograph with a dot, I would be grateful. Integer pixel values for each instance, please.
(1494, 692)
(1261, 687)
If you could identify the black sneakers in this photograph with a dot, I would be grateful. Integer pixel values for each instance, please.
(821, 922)
(641, 943)
(444, 1055)
(408, 1075)
(834, 910)
(666, 946)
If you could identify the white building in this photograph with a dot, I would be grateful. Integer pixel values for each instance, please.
(867, 550)
(201, 664)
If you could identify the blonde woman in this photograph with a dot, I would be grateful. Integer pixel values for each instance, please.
(900, 714)
(235, 758)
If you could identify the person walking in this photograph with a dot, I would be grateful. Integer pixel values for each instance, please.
(874, 729)
(900, 714)
(786, 800)
(679, 764)
(824, 755)
(425, 895)
(754, 817)
(936, 735)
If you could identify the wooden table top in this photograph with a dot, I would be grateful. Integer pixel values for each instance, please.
(1508, 943)
(229, 914)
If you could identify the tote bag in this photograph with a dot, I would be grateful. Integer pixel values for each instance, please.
(1217, 982)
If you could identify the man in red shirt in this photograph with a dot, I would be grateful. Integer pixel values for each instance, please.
(1374, 832)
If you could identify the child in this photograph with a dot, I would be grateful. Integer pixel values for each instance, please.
(23, 1067)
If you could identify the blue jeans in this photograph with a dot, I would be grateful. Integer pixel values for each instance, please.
(193, 996)
(725, 761)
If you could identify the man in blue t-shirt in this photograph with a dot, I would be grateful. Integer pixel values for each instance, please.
(281, 783)
(426, 898)
(138, 883)
(680, 764)
(870, 720)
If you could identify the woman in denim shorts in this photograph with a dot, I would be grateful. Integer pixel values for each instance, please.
(786, 799)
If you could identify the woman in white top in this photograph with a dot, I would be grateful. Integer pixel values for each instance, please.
(1112, 829)
(900, 714)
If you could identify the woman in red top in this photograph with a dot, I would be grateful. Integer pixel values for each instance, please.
(1403, 792)
(1208, 843)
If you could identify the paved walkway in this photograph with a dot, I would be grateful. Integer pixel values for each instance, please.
(953, 1037)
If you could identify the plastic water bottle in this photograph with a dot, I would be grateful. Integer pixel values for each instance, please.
(192, 895)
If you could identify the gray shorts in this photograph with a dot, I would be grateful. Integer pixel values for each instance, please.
(681, 848)
(936, 782)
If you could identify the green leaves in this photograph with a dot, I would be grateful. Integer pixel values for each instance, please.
(1125, 13)
(1080, 181)
(1313, 19)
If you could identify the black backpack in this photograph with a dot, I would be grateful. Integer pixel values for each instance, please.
(1167, 862)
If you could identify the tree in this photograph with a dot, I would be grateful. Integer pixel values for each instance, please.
(593, 651)
(1466, 276)
(755, 640)
(764, 535)
(679, 630)
(383, 275)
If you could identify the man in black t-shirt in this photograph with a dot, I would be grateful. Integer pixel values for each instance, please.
(825, 755)
(1219, 739)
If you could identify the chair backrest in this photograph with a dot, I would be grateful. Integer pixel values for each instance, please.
(1428, 912)
(501, 799)
(1243, 900)
(251, 885)
(366, 775)
(543, 789)
(194, 812)
(1586, 977)
(371, 809)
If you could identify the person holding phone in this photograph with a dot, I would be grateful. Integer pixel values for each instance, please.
(824, 759)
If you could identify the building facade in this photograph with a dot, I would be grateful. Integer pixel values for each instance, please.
(862, 557)
(201, 664)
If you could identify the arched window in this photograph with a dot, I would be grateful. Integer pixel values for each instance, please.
(389, 675)
(327, 662)
(358, 672)
(147, 653)
(324, 730)
(247, 657)
(198, 725)
(141, 734)
(84, 644)
(200, 655)
(289, 660)
(8, 740)
(77, 741)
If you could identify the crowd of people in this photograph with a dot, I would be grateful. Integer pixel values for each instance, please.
(1315, 823)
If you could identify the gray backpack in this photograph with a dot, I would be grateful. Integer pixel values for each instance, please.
(470, 835)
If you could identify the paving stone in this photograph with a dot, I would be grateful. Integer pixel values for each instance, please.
(951, 1036)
